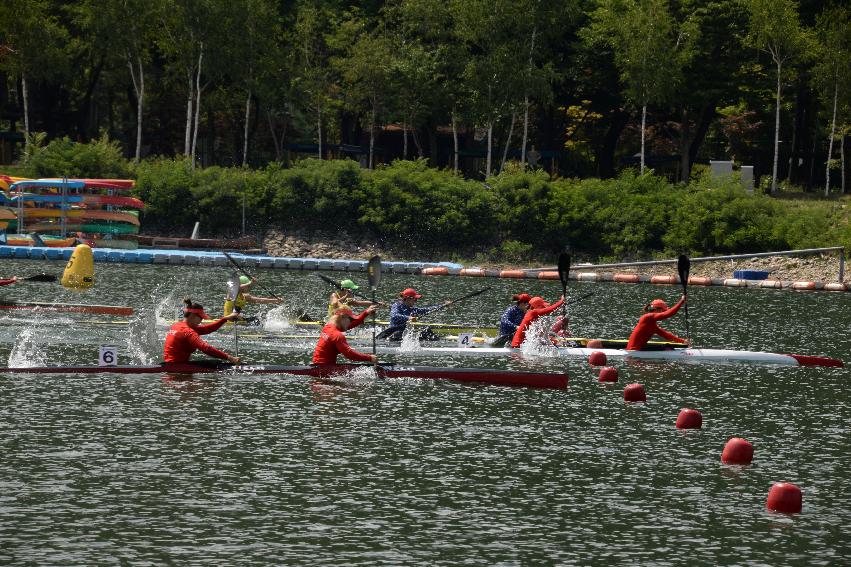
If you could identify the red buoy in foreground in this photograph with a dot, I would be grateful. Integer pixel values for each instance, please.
(597, 358)
(634, 393)
(737, 451)
(784, 497)
(608, 374)
(689, 419)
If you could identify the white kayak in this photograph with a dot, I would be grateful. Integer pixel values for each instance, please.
(674, 355)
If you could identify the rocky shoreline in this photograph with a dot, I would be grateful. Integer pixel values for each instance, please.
(818, 268)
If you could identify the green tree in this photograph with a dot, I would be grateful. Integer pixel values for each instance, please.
(775, 29)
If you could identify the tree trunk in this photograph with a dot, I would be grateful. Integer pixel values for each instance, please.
(197, 104)
(776, 134)
(685, 125)
(187, 137)
(139, 87)
(245, 133)
(319, 131)
(605, 155)
(508, 141)
(26, 105)
(526, 103)
(830, 143)
(707, 116)
(842, 160)
(371, 135)
(490, 150)
(405, 140)
(643, 126)
(272, 130)
(455, 141)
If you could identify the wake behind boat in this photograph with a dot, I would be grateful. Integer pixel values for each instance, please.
(471, 375)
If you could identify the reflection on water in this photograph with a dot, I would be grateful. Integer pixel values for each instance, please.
(230, 469)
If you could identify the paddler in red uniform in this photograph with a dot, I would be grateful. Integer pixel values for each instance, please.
(9, 281)
(332, 341)
(537, 308)
(184, 336)
(657, 310)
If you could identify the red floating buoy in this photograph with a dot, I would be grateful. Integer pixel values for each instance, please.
(597, 358)
(689, 419)
(594, 343)
(608, 374)
(784, 497)
(634, 393)
(737, 451)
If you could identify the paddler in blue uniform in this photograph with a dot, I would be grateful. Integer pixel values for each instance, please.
(403, 311)
(244, 297)
(511, 319)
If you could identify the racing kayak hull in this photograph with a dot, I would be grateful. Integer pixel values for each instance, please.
(473, 375)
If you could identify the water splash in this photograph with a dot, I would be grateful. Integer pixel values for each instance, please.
(278, 318)
(167, 310)
(537, 341)
(410, 340)
(27, 352)
(143, 345)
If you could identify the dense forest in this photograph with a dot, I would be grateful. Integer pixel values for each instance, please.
(579, 87)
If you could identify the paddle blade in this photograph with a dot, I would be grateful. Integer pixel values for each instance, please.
(563, 268)
(373, 272)
(683, 267)
(40, 278)
(233, 287)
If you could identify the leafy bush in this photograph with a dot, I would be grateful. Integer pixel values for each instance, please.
(101, 158)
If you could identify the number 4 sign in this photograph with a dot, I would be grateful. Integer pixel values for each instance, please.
(465, 340)
(107, 356)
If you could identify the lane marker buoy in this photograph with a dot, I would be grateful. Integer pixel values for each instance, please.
(634, 393)
(737, 451)
(784, 497)
(689, 419)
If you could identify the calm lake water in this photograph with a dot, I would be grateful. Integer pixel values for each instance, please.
(287, 470)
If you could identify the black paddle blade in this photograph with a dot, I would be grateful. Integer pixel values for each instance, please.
(373, 271)
(40, 278)
(683, 267)
(563, 268)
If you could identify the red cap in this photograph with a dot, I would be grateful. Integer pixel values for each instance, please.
(198, 312)
(410, 292)
(522, 298)
(537, 302)
(345, 311)
(658, 305)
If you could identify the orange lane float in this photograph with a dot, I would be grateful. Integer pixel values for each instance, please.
(436, 271)
(835, 286)
(665, 280)
(804, 286)
(627, 278)
(771, 284)
(473, 272)
(699, 280)
(548, 276)
(512, 274)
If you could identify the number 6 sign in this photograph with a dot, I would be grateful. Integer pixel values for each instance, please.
(107, 356)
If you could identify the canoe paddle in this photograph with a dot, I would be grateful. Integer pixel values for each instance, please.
(247, 275)
(373, 273)
(233, 292)
(683, 267)
(462, 298)
(39, 278)
(563, 273)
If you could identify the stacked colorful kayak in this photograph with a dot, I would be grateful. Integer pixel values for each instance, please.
(97, 211)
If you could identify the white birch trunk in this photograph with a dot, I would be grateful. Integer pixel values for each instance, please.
(245, 133)
(274, 135)
(643, 126)
(526, 104)
(139, 87)
(455, 140)
(508, 141)
(405, 140)
(187, 137)
(776, 135)
(197, 104)
(490, 150)
(371, 135)
(26, 106)
(319, 130)
(830, 143)
(842, 161)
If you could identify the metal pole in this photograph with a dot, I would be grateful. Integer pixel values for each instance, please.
(243, 213)
(64, 221)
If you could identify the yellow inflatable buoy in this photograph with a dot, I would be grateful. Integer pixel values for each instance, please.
(80, 271)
